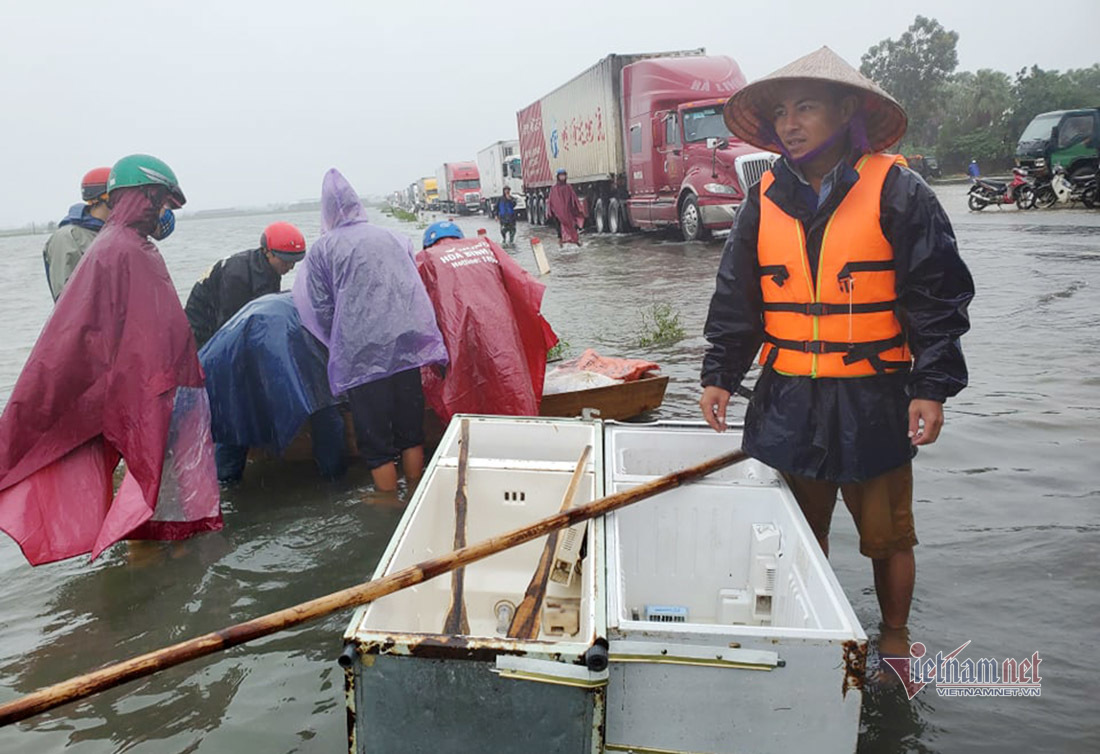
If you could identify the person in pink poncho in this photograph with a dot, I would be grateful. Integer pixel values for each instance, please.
(565, 207)
(114, 376)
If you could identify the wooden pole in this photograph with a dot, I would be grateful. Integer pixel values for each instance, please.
(456, 622)
(528, 618)
(86, 685)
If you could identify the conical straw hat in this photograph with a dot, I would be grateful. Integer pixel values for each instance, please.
(748, 112)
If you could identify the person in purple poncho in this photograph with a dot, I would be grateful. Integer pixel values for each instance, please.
(359, 293)
(563, 205)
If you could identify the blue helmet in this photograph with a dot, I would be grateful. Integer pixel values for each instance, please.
(438, 231)
(562, 171)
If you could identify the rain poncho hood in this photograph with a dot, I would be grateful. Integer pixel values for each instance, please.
(359, 293)
(566, 207)
(265, 375)
(113, 375)
(488, 309)
(79, 215)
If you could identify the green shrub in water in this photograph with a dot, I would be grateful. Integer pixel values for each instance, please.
(558, 351)
(660, 326)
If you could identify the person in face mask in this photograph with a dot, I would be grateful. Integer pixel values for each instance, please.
(234, 281)
(114, 375)
(77, 230)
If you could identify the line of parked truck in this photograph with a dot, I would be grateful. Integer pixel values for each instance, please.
(641, 137)
(645, 146)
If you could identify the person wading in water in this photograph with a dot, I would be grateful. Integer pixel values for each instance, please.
(843, 266)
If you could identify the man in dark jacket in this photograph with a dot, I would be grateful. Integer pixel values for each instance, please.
(506, 213)
(234, 281)
(860, 327)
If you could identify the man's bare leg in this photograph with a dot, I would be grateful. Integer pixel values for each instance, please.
(412, 462)
(385, 477)
(894, 579)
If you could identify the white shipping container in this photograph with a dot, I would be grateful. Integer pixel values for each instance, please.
(441, 183)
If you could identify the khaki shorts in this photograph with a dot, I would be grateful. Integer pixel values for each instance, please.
(882, 509)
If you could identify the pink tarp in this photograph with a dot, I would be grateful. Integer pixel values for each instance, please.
(114, 374)
(487, 308)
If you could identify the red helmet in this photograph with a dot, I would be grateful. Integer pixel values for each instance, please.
(283, 240)
(94, 183)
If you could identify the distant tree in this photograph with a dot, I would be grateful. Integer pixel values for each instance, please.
(1038, 91)
(915, 68)
(975, 120)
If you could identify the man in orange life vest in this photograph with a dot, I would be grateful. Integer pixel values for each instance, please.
(843, 272)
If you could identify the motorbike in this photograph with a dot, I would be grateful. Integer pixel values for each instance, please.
(985, 192)
(1072, 189)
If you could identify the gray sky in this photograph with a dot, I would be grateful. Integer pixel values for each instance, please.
(250, 102)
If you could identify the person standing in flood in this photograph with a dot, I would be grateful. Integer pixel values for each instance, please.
(564, 206)
(506, 214)
(842, 270)
(77, 230)
(359, 293)
(234, 281)
(113, 376)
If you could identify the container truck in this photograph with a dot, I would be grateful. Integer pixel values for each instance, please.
(644, 143)
(429, 194)
(459, 188)
(499, 165)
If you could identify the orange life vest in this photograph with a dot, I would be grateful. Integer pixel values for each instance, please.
(842, 325)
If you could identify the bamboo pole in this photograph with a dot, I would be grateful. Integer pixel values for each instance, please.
(456, 621)
(528, 617)
(86, 685)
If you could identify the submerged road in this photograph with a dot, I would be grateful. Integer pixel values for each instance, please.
(1007, 508)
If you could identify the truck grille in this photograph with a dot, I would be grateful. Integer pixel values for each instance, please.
(473, 198)
(751, 168)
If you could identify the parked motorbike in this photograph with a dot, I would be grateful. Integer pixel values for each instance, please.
(1072, 189)
(985, 192)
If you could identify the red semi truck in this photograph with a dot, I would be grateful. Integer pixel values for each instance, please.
(643, 140)
(459, 187)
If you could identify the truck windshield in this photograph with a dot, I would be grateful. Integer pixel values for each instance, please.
(472, 183)
(703, 123)
(515, 169)
(1039, 128)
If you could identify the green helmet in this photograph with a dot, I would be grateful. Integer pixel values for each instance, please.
(145, 170)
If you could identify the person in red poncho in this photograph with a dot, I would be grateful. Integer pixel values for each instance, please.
(114, 375)
(565, 207)
(487, 308)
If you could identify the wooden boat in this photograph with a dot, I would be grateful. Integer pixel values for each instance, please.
(625, 400)
(725, 628)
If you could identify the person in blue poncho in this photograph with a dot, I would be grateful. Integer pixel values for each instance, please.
(265, 377)
(359, 293)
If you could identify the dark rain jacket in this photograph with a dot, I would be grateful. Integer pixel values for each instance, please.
(229, 285)
(832, 428)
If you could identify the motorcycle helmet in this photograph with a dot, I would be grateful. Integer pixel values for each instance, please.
(436, 232)
(93, 186)
(284, 241)
(145, 170)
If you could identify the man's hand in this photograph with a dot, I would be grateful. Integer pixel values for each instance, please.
(925, 421)
(713, 403)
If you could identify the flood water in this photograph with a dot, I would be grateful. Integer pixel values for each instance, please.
(1007, 506)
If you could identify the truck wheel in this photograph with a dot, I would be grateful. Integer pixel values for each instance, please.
(533, 210)
(691, 220)
(615, 222)
(599, 215)
(542, 210)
